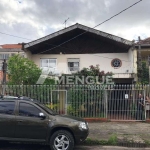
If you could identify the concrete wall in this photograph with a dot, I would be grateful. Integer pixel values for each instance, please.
(103, 59)
(132, 53)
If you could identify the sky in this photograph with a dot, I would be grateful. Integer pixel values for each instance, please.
(33, 19)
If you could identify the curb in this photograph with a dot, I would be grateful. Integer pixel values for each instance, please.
(90, 120)
(96, 120)
(108, 148)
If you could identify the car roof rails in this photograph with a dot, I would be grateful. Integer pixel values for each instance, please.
(24, 98)
(8, 96)
(17, 98)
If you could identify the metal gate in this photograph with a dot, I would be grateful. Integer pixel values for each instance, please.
(86, 103)
(126, 104)
(59, 101)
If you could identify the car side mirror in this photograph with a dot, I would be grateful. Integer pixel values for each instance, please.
(41, 115)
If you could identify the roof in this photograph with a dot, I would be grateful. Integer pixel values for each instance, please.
(144, 43)
(11, 46)
(78, 26)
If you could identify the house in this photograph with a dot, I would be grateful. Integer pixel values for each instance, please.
(6, 51)
(143, 54)
(144, 49)
(78, 46)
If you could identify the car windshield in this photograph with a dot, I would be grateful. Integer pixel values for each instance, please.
(47, 109)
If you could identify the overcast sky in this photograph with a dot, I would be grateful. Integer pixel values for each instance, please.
(33, 19)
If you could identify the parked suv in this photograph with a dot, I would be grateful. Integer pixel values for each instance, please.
(23, 119)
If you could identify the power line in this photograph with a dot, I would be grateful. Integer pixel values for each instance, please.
(14, 36)
(64, 47)
(89, 54)
(75, 36)
(93, 27)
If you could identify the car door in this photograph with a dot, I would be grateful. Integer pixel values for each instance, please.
(29, 124)
(7, 119)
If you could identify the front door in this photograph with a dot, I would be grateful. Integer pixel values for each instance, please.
(7, 119)
(29, 125)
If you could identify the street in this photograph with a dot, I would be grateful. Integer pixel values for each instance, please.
(17, 146)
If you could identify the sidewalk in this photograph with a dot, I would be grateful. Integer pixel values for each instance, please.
(135, 132)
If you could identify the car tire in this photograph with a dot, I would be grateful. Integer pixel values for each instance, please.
(62, 140)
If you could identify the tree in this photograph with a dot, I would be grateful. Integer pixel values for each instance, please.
(22, 71)
(93, 71)
(143, 73)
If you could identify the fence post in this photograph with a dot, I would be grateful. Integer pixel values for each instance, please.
(66, 103)
(106, 103)
(144, 105)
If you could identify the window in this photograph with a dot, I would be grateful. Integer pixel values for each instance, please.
(7, 107)
(4, 56)
(73, 64)
(51, 63)
(28, 110)
(116, 63)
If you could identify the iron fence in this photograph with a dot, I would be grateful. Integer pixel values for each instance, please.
(119, 102)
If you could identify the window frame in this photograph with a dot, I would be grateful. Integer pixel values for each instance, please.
(73, 62)
(4, 56)
(48, 62)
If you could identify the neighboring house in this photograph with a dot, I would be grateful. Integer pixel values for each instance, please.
(6, 51)
(84, 47)
(144, 50)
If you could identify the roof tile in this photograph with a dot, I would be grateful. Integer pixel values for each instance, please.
(11, 46)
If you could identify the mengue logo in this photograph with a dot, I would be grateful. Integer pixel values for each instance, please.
(71, 79)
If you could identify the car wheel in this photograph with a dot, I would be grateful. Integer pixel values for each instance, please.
(62, 140)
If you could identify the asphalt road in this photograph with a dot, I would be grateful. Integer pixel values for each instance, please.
(15, 146)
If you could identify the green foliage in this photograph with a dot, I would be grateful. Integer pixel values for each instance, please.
(53, 106)
(112, 140)
(49, 81)
(143, 73)
(38, 92)
(83, 102)
(22, 71)
(93, 71)
(72, 110)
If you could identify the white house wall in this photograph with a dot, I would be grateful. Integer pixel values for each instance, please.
(132, 53)
(29, 55)
(86, 60)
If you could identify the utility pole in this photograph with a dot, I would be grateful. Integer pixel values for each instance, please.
(139, 59)
(4, 68)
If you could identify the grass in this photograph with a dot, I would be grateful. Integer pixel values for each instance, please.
(111, 141)
(147, 142)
